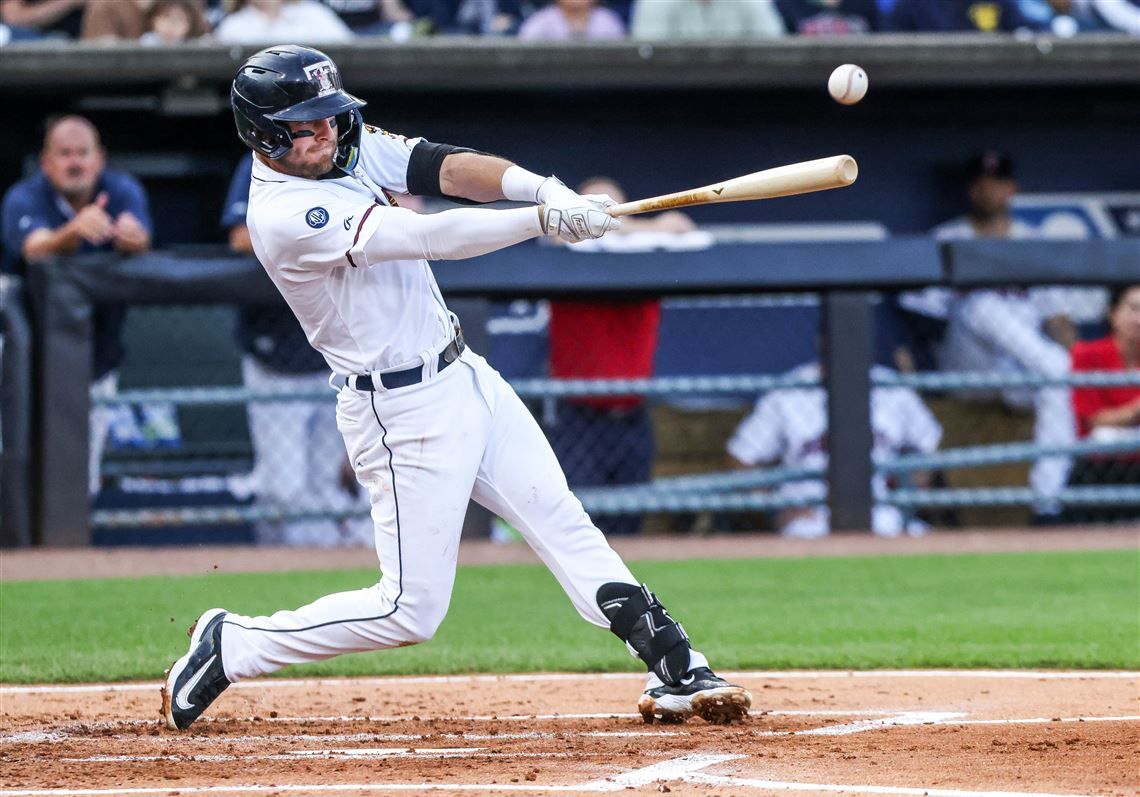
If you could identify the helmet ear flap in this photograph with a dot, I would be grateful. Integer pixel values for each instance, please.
(349, 126)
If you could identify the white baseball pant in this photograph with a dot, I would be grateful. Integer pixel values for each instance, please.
(422, 451)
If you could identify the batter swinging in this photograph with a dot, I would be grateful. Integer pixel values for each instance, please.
(427, 422)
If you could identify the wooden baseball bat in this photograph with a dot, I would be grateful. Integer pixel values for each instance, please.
(795, 178)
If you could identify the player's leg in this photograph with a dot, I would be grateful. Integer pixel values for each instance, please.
(417, 450)
(520, 480)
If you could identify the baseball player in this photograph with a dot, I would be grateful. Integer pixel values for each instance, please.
(1013, 331)
(427, 423)
(790, 427)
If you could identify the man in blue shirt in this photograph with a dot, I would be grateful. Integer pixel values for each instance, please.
(75, 205)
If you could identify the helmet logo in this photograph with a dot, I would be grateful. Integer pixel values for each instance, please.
(322, 73)
(317, 218)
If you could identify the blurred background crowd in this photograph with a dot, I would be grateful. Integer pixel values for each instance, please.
(334, 21)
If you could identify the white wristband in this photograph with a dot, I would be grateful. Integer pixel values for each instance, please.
(519, 185)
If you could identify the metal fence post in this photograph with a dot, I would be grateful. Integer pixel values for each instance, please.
(63, 405)
(15, 417)
(848, 347)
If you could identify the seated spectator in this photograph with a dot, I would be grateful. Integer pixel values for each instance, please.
(608, 440)
(1109, 413)
(169, 21)
(299, 457)
(564, 20)
(1106, 412)
(273, 21)
(789, 427)
(705, 19)
(477, 17)
(949, 16)
(75, 204)
(829, 17)
(37, 19)
(1121, 15)
(1012, 331)
(374, 17)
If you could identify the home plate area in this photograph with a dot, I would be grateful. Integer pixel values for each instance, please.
(936, 733)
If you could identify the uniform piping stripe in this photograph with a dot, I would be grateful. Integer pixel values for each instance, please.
(399, 556)
(348, 254)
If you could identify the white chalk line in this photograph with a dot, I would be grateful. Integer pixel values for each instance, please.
(284, 683)
(686, 769)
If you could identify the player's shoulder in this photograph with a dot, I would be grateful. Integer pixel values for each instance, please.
(30, 189)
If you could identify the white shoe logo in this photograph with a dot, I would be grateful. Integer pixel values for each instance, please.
(180, 699)
(688, 679)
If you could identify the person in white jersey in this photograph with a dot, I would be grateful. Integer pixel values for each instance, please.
(427, 423)
(790, 427)
(1012, 331)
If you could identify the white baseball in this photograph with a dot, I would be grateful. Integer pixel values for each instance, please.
(847, 84)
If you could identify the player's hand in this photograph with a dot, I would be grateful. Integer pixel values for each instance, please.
(93, 223)
(575, 218)
(129, 235)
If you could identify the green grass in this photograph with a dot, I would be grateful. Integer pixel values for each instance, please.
(1071, 610)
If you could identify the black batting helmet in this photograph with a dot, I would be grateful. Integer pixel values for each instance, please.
(290, 83)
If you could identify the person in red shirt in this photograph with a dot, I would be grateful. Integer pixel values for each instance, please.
(608, 440)
(1110, 413)
(1111, 408)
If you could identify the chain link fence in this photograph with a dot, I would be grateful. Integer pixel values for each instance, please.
(677, 414)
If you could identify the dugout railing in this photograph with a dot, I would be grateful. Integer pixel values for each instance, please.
(845, 275)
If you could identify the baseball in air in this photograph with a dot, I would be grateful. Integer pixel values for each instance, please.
(847, 84)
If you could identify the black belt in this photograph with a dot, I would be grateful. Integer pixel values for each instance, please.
(412, 376)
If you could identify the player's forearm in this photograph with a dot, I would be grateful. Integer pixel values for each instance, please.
(45, 243)
(1126, 415)
(473, 176)
(450, 235)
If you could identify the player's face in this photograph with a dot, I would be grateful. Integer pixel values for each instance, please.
(314, 147)
(990, 196)
(1126, 316)
(72, 160)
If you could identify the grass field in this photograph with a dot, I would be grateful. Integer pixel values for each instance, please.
(1063, 610)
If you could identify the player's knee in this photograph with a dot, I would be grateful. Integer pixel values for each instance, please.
(420, 614)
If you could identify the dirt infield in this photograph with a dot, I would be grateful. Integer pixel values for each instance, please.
(937, 733)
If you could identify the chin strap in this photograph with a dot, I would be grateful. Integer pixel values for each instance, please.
(641, 622)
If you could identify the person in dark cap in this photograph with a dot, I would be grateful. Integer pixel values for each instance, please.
(1014, 331)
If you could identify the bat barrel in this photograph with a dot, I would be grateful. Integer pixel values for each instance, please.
(823, 174)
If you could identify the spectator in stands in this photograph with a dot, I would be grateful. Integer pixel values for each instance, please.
(375, 17)
(705, 19)
(948, 16)
(829, 17)
(1012, 331)
(76, 205)
(295, 443)
(1110, 414)
(170, 21)
(609, 440)
(477, 17)
(34, 19)
(261, 21)
(1121, 15)
(789, 427)
(564, 20)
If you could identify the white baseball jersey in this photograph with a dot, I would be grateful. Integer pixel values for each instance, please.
(310, 235)
(790, 427)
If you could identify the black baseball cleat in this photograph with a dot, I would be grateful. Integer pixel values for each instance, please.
(195, 680)
(700, 692)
